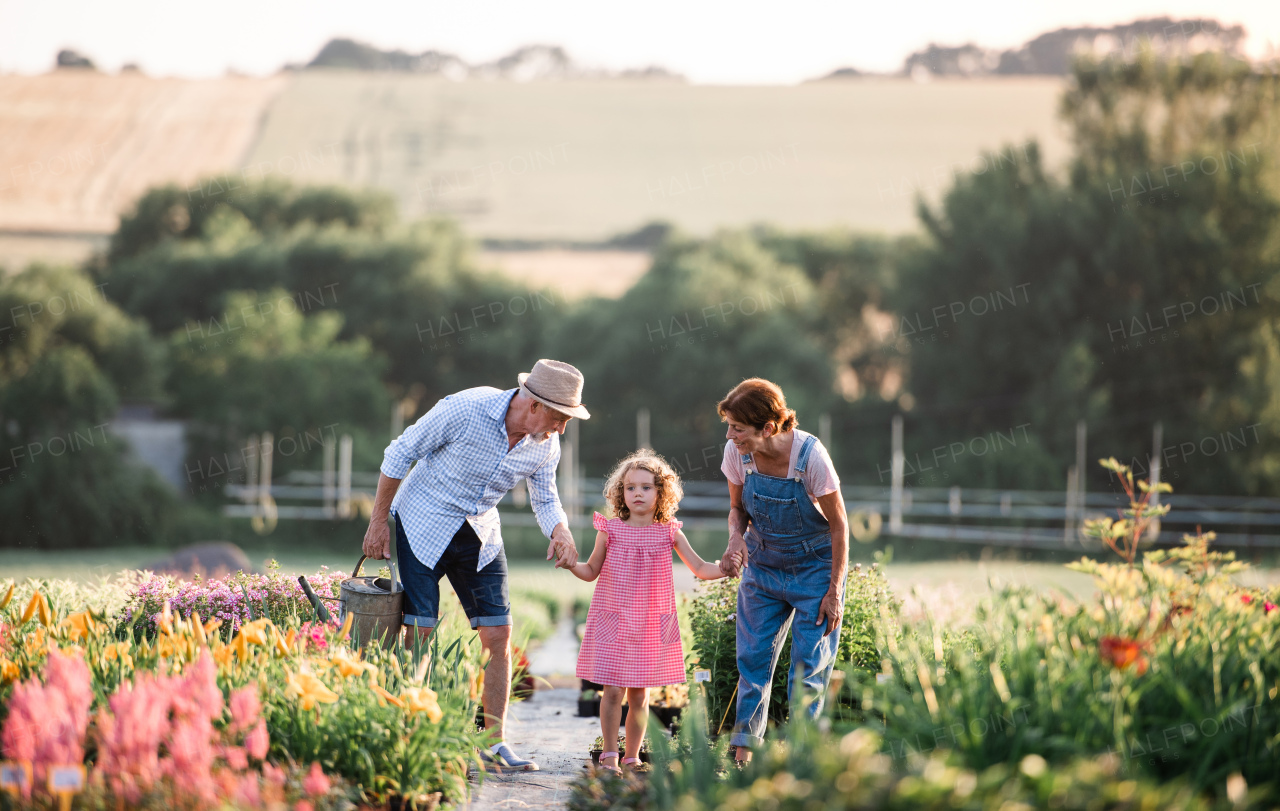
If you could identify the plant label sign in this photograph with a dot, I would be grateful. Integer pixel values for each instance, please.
(66, 779)
(701, 675)
(15, 776)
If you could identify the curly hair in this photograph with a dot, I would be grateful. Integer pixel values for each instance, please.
(664, 478)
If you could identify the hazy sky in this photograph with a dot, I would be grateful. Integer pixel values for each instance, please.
(710, 41)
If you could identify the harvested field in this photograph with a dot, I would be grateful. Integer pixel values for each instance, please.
(78, 148)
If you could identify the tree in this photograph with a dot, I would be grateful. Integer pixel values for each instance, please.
(67, 359)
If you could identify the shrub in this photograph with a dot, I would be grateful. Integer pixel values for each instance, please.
(809, 769)
(1173, 673)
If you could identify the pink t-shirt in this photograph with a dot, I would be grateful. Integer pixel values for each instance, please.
(819, 476)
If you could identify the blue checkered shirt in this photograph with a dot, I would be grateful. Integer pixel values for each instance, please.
(463, 468)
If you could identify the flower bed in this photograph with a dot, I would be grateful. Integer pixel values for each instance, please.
(168, 709)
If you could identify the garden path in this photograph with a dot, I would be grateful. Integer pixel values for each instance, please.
(547, 729)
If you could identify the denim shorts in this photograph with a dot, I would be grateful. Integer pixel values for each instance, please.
(483, 594)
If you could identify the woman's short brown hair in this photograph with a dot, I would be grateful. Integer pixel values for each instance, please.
(664, 478)
(755, 402)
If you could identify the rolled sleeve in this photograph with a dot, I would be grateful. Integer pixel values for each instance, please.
(431, 432)
(545, 498)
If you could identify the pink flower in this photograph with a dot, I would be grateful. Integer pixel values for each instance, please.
(235, 757)
(244, 708)
(258, 742)
(1268, 607)
(47, 722)
(248, 793)
(274, 775)
(316, 784)
(303, 805)
(1246, 599)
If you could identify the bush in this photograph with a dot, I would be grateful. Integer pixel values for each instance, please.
(386, 722)
(713, 612)
(1172, 672)
(809, 769)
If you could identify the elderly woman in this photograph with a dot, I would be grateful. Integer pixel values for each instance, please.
(787, 525)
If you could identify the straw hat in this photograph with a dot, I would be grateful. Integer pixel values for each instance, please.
(556, 385)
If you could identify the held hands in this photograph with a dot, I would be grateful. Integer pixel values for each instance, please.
(735, 557)
(377, 540)
(830, 611)
(562, 548)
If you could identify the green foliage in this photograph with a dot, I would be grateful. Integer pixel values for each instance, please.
(1174, 673)
(66, 361)
(1121, 276)
(713, 612)
(809, 769)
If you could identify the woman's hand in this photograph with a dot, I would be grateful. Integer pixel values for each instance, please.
(830, 610)
(734, 558)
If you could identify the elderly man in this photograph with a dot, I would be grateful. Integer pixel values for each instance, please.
(470, 449)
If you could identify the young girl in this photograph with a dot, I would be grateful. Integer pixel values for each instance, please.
(632, 638)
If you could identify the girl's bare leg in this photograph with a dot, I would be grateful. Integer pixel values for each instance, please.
(637, 719)
(610, 720)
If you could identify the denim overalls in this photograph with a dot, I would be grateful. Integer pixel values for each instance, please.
(788, 573)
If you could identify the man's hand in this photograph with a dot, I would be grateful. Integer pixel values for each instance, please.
(377, 540)
(734, 558)
(562, 548)
(830, 610)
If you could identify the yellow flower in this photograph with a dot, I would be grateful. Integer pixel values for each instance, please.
(8, 595)
(477, 685)
(255, 632)
(37, 605)
(288, 640)
(82, 625)
(280, 645)
(37, 643)
(423, 699)
(120, 651)
(346, 625)
(223, 655)
(9, 671)
(197, 629)
(308, 690)
(383, 695)
(211, 626)
(349, 665)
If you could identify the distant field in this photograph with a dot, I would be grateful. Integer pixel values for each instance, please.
(574, 160)
(587, 159)
(78, 148)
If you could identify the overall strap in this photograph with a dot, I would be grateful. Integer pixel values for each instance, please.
(803, 460)
(746, 460)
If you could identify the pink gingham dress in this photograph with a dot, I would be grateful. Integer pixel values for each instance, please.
(632, 638)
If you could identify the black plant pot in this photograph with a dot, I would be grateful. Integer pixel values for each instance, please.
(588, 708)
(667, 716)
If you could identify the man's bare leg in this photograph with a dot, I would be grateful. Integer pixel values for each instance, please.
(496, 640)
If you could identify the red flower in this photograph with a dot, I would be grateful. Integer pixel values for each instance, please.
(1268, 607)
(1246, 599)
(1121, 653)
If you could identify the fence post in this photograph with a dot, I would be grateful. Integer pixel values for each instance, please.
(327, 479)
(344, 476)
(642, 429)
(567, 476)
(895, 488)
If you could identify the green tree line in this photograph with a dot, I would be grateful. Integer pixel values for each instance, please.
(1135, 285)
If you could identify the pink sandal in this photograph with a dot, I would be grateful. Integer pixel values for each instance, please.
(614, 768)
(631, 761)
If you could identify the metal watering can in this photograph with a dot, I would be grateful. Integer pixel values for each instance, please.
(376, 605)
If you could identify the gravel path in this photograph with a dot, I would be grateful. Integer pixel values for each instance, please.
(547, 729)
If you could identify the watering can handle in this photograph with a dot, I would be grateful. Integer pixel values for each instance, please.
(395, 584)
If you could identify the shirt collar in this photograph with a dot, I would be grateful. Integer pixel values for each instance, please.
(501, 402)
